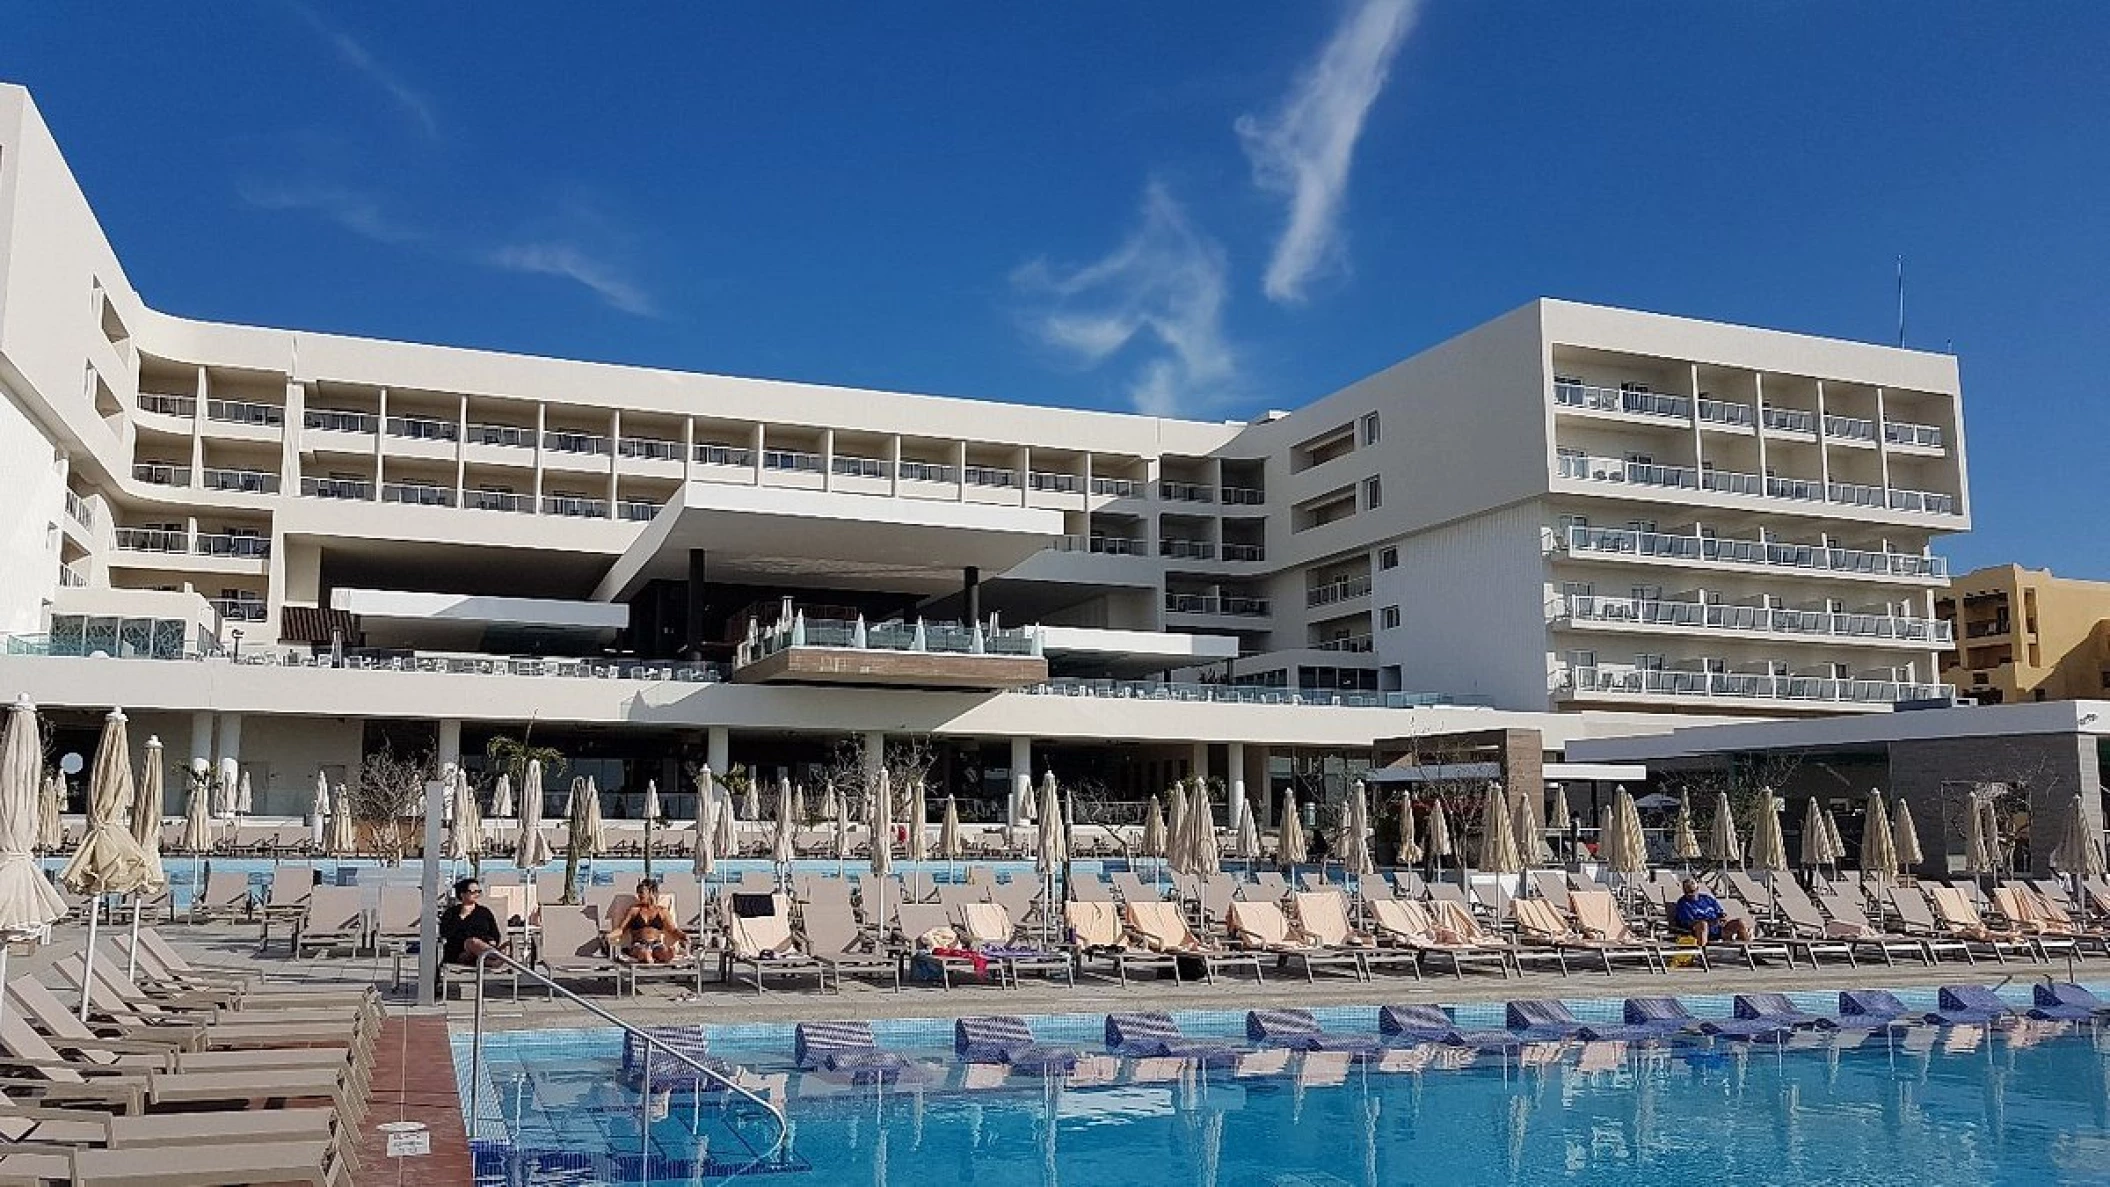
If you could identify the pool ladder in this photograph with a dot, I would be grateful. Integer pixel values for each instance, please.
(649, 1044)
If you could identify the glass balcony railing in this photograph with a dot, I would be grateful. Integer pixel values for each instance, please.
(991, 476)
(1248, 694)
(1186, 492)
(497, 500)
(1213, 604)
(1768, 553)
(1615, 470)
(423, 428)
(575, 507)
(161, 474)
(244, 412)
(1849, 428)
(725, 455)
(1241, 496)
(418, 494)
(240, 609)
(1120, 488)
(336, 488)
(1899, 432)
(332, 420)
(240, 545)
(1192, 550)
(184, 407)
(509, 436)
(1640, 402)
(250, 482)
(637, 510)
(927, 472)
(569, 441)
(654, 448)
(1341, 590)
(1763, 620)
(1245, 552)
(851, 466)
(791, 461)
(1680, 683)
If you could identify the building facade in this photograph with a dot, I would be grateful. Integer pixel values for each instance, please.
(1596, 513)
(2025, 635)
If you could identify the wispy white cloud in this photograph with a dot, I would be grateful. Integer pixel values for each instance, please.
(1163, 289)
(356, 212)
(361, 59)
(571, 262)
(1304, 148)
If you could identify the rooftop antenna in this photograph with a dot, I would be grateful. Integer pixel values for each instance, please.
(1901, 301)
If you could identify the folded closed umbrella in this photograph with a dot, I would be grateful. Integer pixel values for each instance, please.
(343, 838)
(1563, 817)
(502, 798)
(950, 847)
(1409, 835)
(2080, 848)
(751, 803)
(466, 835)
(703, 859)
(1685, 843)
(245, 797)
(1907, 836)
(319, 803)
(830, 806)
(1498, 842)
(1723, 848)
(882, 826)
(1529, 828)
(783, 847)
(1977, 851)
(51, 828)
(1204, 858)
(1154, 829)
(798, 804)
(1246, 841)
(1769, 849)
(1879, 851)
(840, 828)
(146, 816)
(596, 832)
(1437, 832)
(1633, 843)
(1355, 846)
(1290, 847)
(652, 811)
(27, 902)
(1175, 816)
(918, 821)
(728, 839)
(1816, 839)
(1050, 851)
(108, 860)
(197, 817)
(532, 851)
(229, 801)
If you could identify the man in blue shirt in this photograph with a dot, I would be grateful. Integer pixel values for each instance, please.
(1697, 914)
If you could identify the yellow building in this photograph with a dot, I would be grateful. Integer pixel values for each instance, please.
(2025, 635)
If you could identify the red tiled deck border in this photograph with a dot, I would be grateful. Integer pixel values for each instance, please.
(414, 1081)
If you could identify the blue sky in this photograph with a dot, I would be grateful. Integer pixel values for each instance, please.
(1194, 207)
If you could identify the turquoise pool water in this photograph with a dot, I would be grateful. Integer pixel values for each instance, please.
(1962, 1105)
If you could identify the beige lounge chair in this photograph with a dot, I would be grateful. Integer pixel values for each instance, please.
(765, 944)
(1597, 916)
(989, 926)
(1538, 924)
(1160, 928)
(833, 939)
(1960, 916)
(573, 948)
(317, 1163)
(2053, 919)
(332, 917)
(1096, 934)
(1261, 926)
(118, 1002)
(1408, 924)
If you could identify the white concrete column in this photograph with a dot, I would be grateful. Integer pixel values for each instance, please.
(1198, 765)
(1236, 764)
(1021, 780)
(230, 736)
(1267, 792)
(449, 754)
(874, 754)
(201, 736)
(719, 749)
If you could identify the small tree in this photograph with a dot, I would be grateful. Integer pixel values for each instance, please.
(510, 757)
(387, 798)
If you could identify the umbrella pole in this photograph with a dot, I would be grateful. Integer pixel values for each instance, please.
(88, 955)
(132, 951)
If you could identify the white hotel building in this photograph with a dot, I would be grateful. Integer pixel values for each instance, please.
(280, 546)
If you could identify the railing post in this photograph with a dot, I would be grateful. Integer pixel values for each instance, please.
(476, 1051)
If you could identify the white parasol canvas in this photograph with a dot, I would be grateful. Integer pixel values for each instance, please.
(108, 860)
(533, 851)
(28, 905)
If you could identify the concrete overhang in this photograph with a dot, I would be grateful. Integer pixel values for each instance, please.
(409, 618)
(1118, 653)
(827, 539)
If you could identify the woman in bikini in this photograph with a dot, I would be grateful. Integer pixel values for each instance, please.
(647, 933)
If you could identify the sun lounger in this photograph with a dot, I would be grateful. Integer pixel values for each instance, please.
(1960, 1005)
(320, 1164)
(764, 943)
(989, 929)
(1916, 919)
(1410, 925)
(833, 939)
(1096, 934)
(1850, 924)
(1299, 1031)
(161, 965)
(24, 1125)
(120, 1003)
(573, 948)
(332, 917)
(1777, 1009)
(1324, 916)
(1430, 1024)
(2035, 914)
(1545, 1019)
(2066, 1001)
(1672, 1014)
(846, 1048)
(1008, 1040)
(935, 938)
(1133, 889)
(226, 896)
(1552, 887)
(1537, 923)
(1160, 928)
(1262, 927)
(1871, 1008)
(65, 1032)
(1153, 1035)
(1959, 915)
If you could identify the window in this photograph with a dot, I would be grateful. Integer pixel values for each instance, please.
(1388, 618)
(1373, 493)
(1370, 428)
(1388, 558)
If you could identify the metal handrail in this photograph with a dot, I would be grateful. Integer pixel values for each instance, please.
(476, 1051)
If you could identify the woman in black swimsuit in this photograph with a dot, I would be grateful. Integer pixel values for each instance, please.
(647, 933)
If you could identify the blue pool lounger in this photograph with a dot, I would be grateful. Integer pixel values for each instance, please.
(1969, 1005)
(1006, 1039)
(1775, 1008)
(844, 1047)
(1543, 1019)
(2065, 1000)
(1871, 1009)
(1672, 1015)
(1154, 1035)
(1402, 1025)
(1299, 1031)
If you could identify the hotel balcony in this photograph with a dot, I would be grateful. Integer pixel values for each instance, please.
(1712, 618)
(802, 650)
(1652, 684)
(1713, 413)
(163, 542)
(1711, 552)
(1615, 471)
(1105, 545)
(248, 482)
(1216, 606)
(1339, 590)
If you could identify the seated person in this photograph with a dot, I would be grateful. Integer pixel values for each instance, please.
(468, 931)
(1697, 914)
(647, 933)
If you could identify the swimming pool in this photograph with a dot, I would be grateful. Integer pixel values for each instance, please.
(1924, 1106)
